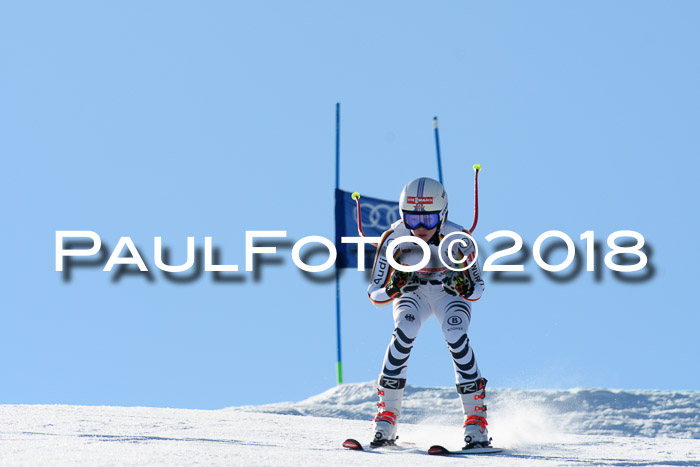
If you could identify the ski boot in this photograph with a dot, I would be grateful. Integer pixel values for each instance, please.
(389, 409)
(475, 432)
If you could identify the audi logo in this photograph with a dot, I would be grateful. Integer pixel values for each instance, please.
(378, 216)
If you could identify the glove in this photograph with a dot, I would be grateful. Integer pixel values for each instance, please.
(401, 282)
(458, 283)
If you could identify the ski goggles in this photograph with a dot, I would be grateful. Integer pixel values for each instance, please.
(414, 220)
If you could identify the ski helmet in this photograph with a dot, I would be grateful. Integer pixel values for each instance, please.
(420, 200)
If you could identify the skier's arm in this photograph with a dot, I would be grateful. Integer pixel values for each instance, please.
(381, 272)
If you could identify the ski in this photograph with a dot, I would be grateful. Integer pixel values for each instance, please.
(435, 450)
(355, 445)
(438, 450)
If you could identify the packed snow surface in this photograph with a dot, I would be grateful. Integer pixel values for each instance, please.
(543, 427)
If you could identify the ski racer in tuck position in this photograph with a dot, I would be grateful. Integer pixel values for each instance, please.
(434, 290)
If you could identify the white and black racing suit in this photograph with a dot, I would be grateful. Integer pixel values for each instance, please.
(412, 309)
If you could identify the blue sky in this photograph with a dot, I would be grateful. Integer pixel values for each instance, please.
(177, 119)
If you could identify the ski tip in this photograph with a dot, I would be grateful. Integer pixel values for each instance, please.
(437, 450)
(352, 444)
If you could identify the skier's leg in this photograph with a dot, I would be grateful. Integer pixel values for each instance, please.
(454, 315)
(408, 311)
(408, 319)
(471, 386)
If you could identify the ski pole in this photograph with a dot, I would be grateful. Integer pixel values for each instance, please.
(477, 169)
(356, 197)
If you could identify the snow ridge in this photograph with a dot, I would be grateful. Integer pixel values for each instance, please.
(577, 411)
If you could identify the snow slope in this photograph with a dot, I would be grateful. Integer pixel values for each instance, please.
(589, 426)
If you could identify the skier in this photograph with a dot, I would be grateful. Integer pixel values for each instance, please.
(434, 290)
